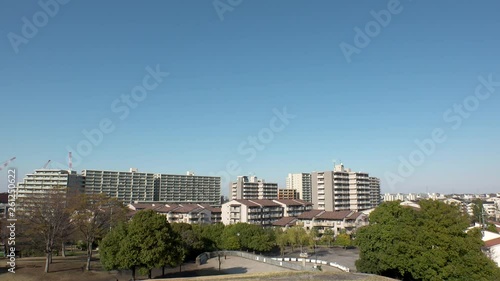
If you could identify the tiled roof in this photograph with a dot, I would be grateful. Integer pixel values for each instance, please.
(247, 203)
(187, 208)
(310, 214)
(491, 243)
(266, 203)
(285, 221)
(212, 209)
(165, 208)
(293, 202)
(338, 215)
(143, 206)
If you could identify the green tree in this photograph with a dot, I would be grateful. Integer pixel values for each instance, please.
(250, 237)
(327, 237)
(210, 235)
(477, 211)
(192, 243)
(491, 227)
(426, 244)
(297, 236)
(343, 240)
(147, 241)
(281, 239)
(93, 216)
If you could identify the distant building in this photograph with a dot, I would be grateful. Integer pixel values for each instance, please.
(262, 211)
(301, 182)
(125, 186)
(252, 188)
(149, 187)
(185, 213)
(288, 194)
(36, 185)
(343, 189)
(337, 221)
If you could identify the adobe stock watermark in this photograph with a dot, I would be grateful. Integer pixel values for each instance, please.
(31, 26)
(453, 116)
(363, 37)
(11, 219)
(223, 6)
(255, 143)
(121, 107)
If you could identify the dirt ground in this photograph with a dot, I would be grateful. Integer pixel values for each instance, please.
(232, 268)
(71, 269)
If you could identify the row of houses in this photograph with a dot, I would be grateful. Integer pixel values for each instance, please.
(267, 213)
(337, 221)
(186, 213)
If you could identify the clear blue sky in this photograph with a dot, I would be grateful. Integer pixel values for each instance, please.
(226, 77)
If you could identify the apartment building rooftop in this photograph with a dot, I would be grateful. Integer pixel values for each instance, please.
(285, 222)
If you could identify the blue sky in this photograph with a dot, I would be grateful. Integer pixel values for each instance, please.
(227, 76)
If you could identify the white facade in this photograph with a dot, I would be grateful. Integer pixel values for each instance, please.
(253, 188)
(149, 187)
(302, 183)
(42, 180)
(261, 211)
(343, 189)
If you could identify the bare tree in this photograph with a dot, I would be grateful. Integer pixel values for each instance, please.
(94, 215)
(46, 215)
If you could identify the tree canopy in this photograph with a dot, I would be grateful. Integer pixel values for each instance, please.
(147, 242)
(430, 243)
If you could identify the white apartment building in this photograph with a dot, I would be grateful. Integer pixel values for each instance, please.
(337, 221)
(302, 183)
(38, 183)
(125, 186)
(189, 188)
(149, 187)
(343, 189)
(177, 213)
(261, 211)
(250, 188)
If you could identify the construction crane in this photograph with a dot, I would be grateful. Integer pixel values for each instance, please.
(70, 161)
(46, 164)
(6, 163)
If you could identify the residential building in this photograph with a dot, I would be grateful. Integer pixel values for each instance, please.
(37, 184)
(294, 207)
(250, 188)
(125, 186)
(302, 183)
(287, 194)
(262, 212)
(185, 213)
(374, 191)
(189, 188)
(149, 187)
(337, 221)
(343, 189)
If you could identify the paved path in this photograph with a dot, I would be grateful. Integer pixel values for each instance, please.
(235, 265)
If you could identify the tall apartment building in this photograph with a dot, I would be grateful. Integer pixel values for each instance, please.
(302, 183)
(37, 184)
(189, 188)
(134, 186)
(126, 186)
(342, 189)
(253, 188)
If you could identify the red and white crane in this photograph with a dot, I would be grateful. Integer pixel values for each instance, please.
(6, 163)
